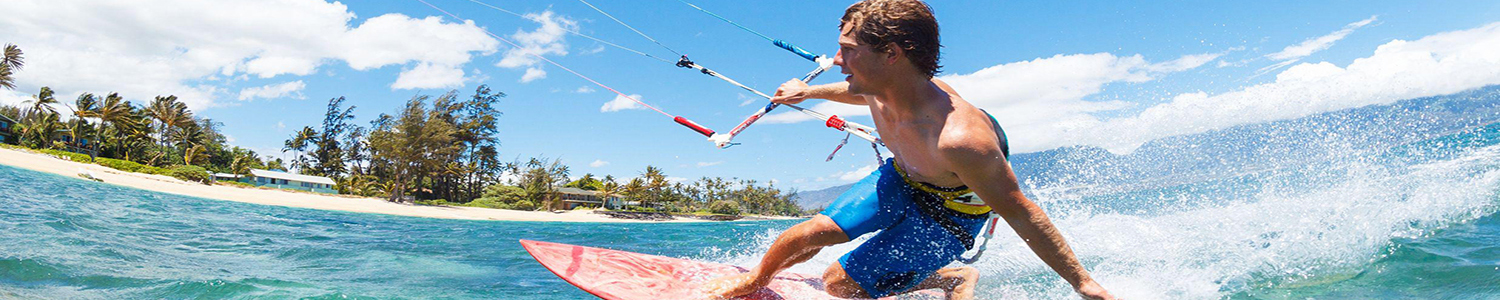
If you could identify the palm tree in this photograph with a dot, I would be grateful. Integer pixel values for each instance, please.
(134, 133)
(170, 114)
(653, 181)
(36, 132)
(42, 101)
(83, 108)
(635, 189)
(191, 138)
(114, 111)
(10, 62)
(275, 164)
(242, 164)
(609, 188)
(298, 144)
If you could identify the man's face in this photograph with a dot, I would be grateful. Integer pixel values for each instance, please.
(859, 62)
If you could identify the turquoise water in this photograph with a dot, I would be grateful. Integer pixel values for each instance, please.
(1350, 214)
(74, 239)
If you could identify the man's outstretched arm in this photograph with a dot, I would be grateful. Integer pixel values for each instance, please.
(795, 91)
(989, 175)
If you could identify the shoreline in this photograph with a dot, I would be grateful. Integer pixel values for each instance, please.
(166, 184)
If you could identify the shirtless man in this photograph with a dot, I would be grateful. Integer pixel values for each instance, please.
(925, 201)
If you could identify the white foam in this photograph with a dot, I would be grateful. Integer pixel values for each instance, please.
(1297, 225)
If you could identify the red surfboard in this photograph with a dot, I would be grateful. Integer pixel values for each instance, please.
(620, 275)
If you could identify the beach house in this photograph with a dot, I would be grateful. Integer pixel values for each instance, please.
(284, 180)
(575, 197)
(7, 134)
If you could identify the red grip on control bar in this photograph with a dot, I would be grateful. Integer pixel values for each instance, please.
(699, 128)
(835, 122)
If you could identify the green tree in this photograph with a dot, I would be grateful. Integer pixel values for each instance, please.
(135, 135)
(41, 103)
(40, 121)
(408, 149)
(653, 187)
(170, 115)
(328, 157)
(83, 108)
(297, 144)
(356, 151)
(540, 180)
(587, 182)
(476, 122)
(609, 188)
(113, 110)
(275, 164)
(10, 62)
(37, 131)
(193, 140)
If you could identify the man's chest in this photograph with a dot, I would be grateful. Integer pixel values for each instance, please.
(917, 151)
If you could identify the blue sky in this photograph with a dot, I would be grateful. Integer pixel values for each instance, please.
(1105, 74)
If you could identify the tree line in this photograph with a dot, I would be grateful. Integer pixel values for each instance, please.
(443, 150)
(433, 150)
(162, 136)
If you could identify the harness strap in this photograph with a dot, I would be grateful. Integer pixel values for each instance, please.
(933, 203)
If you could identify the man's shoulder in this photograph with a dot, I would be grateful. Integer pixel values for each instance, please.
(968, 136)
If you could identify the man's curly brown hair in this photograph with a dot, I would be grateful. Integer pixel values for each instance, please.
(907, 23)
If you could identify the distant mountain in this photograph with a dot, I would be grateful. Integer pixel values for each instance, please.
(820, 198)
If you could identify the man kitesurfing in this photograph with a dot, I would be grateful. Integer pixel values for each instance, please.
(949, 173)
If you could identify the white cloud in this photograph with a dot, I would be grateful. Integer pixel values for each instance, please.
(584, 90)
(856, 174)
(1437, 64)
(429, 76)
(745, 100)
(280, 125)
(621, 103)
(532, 74)
(545, 40)
(1040, 101)
(1313, 45)
(14, 98)
(677, 179)
(709, 164)
(271, 91)
(1039, 98)
(596, 49)
(397, 39)
(1294, 53)
(124, 46)
(598, 163)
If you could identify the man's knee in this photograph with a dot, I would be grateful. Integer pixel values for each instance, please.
(819, 231)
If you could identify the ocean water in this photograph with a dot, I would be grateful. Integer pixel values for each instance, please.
(1390, 202)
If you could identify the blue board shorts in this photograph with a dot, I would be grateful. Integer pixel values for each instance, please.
(910, 246)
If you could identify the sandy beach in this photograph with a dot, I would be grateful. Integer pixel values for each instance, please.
(167, 184)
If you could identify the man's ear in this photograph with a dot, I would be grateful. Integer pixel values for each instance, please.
(893, 52)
